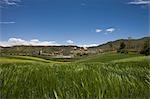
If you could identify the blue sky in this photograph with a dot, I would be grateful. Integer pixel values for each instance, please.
(80, 22)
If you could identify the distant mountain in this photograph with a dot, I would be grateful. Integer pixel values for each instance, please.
(134, 45)
(34, 50)
(131, 44)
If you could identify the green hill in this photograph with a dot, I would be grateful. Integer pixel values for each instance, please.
(133, 45)
(107, 76)
(108, 57)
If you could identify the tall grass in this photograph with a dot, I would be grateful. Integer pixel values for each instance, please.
(75, 80)
(107, 57)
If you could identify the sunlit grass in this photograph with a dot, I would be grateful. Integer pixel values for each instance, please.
(23, 59)
(105, 58)
(7, 60)
(134, 59)
(86, 80)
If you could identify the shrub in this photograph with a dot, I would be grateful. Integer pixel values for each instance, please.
(122, 48)
(146, 48)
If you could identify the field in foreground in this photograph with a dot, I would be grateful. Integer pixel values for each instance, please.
(110, 76)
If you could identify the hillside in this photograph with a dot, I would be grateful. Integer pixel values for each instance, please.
(34, 50)
(107, 76)
(131, 44)
(134, 45)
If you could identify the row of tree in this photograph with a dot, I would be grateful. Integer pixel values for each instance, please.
(145, 50)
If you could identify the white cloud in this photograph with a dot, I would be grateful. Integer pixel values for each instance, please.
(139, 2)
(110, 30)
(33, 42)
(16, 40)
(36, 42)
(88, 45)
(9, 2)
(69, 41)
(11, 22)
(98, 30)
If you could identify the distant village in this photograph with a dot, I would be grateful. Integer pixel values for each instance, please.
(76, 51)
(50, 51)
(121, 46)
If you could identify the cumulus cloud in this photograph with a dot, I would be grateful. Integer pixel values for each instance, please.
(11, 22)
(16, 40)
(98, 30)
(88, 45)
(110, 30)
(139, 2)
(106, 31)
(36, 42)
(69, 41)
(9, 2)
(33, 42)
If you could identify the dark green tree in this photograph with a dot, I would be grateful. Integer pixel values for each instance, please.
(122, 45)
(122, 48)
(146, 48)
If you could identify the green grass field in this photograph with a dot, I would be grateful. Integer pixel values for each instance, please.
(106, 76)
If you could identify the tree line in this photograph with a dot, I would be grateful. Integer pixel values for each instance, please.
(145, 50)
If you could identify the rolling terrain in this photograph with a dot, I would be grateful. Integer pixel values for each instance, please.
(72, 72)
(109, 75)
(132, 45)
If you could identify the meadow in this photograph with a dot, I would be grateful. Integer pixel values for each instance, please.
(106, 76)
